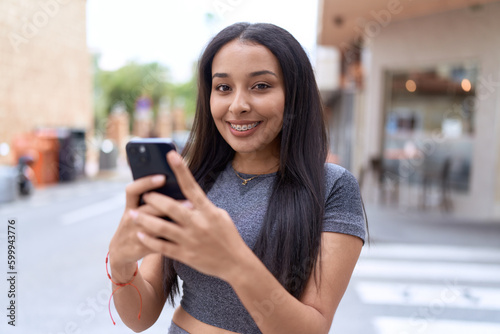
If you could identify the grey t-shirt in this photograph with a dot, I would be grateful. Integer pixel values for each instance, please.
(212, 300)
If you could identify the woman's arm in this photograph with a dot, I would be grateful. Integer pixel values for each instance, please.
(276, 311)
(149, 282)
(125, 250)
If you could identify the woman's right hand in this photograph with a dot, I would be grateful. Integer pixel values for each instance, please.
(125, 249)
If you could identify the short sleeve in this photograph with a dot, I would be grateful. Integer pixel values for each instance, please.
(343, 207)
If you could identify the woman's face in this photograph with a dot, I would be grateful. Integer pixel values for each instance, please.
(247, 99)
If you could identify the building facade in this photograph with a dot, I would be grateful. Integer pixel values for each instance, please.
(45, 71)
(426, 112)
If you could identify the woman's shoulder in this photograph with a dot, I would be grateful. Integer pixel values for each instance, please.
(338, 176)
(344, 206)
(333, 170)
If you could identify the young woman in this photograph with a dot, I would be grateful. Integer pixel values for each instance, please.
(270, 234)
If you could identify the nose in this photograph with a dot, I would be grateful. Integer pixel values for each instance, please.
(240, 103)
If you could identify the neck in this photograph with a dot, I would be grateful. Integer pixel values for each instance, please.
(250, 163)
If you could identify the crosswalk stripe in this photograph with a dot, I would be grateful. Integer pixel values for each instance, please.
(432, 252)
(449, 295)
(93, 210)
(432, 278)
(399, 269)
(431, 325)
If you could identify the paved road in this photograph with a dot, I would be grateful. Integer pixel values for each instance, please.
(422, 288)
(63, 236)
(406, 282)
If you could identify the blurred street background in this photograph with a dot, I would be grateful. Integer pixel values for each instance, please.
(412, 98)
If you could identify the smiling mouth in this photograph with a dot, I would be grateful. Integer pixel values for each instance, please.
(244, 127)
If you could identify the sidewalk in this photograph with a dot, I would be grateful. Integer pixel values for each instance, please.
(389, 225)
(52, 193)
(120, 173)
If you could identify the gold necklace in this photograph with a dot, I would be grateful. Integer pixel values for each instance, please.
(245, 181)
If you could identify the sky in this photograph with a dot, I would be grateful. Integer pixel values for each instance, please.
(174, 33)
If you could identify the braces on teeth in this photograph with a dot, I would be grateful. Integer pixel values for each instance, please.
(244, 127)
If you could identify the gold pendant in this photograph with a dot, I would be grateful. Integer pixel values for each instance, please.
(244, 182)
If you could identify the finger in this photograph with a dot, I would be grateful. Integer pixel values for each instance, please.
(153, 211)
(135, 189)
(150, 210)
(168, 206)
(157, 227)
(163, 247)
(189, 187)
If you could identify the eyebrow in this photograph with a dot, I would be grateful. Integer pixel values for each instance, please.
(220, 75)
(253, 74)
(256, 74)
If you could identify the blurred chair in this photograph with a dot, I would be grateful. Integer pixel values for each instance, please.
(382, 180)
(440, 178)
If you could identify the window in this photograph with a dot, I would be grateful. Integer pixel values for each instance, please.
(429, 125)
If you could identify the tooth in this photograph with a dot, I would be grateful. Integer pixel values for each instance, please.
(238, 127)
(244, 127)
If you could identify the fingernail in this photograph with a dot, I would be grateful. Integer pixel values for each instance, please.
(140, 235)
(187, 204)
(133, 214)
(158, 179)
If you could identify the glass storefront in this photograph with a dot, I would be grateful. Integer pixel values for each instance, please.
(429, 127)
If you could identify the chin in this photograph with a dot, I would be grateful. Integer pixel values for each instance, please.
(244, 150)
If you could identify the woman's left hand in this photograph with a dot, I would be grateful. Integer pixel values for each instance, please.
(201, 235)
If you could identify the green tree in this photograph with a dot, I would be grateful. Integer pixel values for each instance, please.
(125, 85)
(131, 81)
(184, 95)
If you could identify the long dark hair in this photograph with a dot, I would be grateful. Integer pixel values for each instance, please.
(289, 241)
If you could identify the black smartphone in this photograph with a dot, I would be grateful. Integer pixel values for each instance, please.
(148, 156)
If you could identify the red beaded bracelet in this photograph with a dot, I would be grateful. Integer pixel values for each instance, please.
(121, 285)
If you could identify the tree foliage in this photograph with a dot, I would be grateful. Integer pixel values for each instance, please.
(184, 95)
(126, 84)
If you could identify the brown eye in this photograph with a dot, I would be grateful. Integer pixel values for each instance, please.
(261, 86)
(222, 88)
